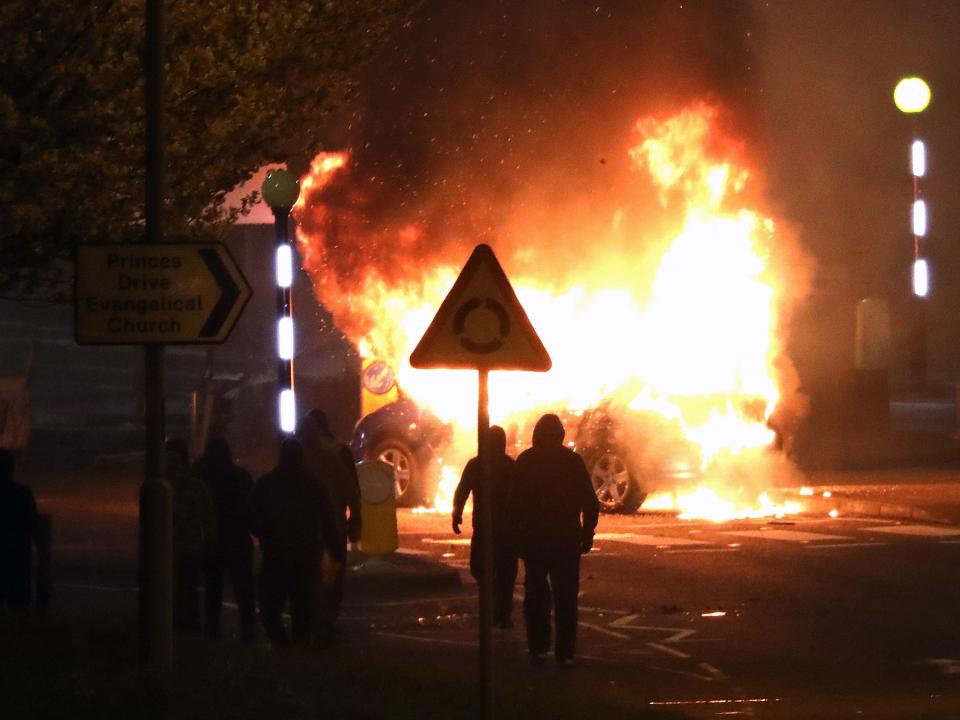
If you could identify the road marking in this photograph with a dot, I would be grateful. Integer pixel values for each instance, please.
(819, 546)
(676, 634)
(654, 540)
(946, 666)
(604, 631)
(448, 541)
(786, 535)
(668, 650)
(716, 672)
(918, 530)
(678, 551)
(415, 638)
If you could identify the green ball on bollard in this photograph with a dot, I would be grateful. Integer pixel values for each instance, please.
(281, 189)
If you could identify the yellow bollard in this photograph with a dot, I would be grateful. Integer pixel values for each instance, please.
(378, 508)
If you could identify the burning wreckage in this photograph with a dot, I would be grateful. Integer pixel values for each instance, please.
(666, 320)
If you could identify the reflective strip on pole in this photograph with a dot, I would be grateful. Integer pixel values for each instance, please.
(285, 338)
(288, 411)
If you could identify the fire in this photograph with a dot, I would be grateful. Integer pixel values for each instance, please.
(683, 324)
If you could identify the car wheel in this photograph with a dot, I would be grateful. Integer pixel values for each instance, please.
(406, 471)
(616, 489)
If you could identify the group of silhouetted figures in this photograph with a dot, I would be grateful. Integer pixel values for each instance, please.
(544, 512)
(303, 512)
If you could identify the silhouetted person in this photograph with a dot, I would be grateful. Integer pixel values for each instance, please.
(194, 527)
(291, 515)
(230, 487)
(503, 480)
(558, 513)
(18, 528)
(332, 464)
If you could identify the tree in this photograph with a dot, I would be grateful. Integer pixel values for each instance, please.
(247, 83)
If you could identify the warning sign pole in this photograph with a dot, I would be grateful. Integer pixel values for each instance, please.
(481, 325)
(486, 536)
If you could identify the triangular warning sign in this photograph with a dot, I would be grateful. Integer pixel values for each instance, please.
(480, 324)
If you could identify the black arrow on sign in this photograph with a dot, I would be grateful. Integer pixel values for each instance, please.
(228, 295)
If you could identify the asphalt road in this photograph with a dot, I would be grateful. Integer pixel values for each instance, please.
(803, 617)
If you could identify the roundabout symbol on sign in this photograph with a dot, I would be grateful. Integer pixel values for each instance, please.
(486, 346)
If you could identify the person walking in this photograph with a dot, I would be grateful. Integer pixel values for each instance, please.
(194, 527)
(503, 482)
(231, 555)
(18, 533)
(331, 462)
(291, 516)
(558, 513)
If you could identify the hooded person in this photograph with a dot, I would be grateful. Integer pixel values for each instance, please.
(291, 516)
(18, 531)
(231, 555)
(503, 482)
(331, 462)
(557, 513)
(194, 529)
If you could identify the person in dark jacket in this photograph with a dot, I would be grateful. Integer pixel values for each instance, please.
(194, 527)
(291, 516)
(18, 530)
(558, 514)
(503, 480)
(331, 462)
(230, 487)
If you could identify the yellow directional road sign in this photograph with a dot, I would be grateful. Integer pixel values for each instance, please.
(157, 293)
(481, 324)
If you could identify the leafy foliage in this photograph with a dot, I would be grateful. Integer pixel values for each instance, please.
(247, 83)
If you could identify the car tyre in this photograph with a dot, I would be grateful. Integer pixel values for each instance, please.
(406, 470)
(617, 489)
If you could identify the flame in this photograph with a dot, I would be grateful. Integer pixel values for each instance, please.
(684, 327)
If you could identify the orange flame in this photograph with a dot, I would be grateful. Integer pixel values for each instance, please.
(687, 327)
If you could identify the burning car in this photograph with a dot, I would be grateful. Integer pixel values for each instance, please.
(412, 440)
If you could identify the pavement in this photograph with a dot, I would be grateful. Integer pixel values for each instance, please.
(926, 494)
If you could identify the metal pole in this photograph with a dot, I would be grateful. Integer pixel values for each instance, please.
(486, 536)
(156, 532)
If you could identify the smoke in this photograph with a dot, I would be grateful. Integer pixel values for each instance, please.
(507, 123)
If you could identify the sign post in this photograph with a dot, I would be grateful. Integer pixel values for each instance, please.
(482, 326)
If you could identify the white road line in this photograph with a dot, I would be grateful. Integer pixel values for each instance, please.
(819, 546)
(786, 535)
(415, 638)
(447, 541)
(668, 650)
(678, 551)
(604, 631)
(716, 672)
(917, 530)
(654, 540)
